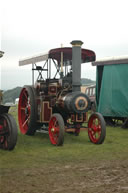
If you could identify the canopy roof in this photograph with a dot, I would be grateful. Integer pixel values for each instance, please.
(111, 60)
(87, 56)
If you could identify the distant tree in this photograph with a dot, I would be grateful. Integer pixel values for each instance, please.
(11, 95)
(86, 81)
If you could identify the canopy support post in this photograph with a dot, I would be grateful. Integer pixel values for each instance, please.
(32, 74)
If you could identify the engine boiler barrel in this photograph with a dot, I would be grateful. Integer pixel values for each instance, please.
(76, 102)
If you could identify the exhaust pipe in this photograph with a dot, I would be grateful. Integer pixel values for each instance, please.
(76, 65)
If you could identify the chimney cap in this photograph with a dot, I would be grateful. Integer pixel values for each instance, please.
(77, 43)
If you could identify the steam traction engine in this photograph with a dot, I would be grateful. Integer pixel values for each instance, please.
(56, 104)
(8, 127)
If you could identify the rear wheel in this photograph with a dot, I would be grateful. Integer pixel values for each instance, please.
(27, 111)
(56, 129)
(8, 132)
(96, 128)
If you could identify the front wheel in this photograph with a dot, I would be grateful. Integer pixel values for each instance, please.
(56, 129)
(96, 128)
(8, 132)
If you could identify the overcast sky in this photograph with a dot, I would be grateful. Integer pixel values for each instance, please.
(30, 27)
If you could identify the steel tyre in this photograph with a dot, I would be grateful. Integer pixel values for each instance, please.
(27, 111)
(56, 129)
(9, 139)
(96, 128)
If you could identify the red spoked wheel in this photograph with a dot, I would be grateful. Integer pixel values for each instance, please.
(8, 132)
(96, 128)
(27, 111)
(56, 129)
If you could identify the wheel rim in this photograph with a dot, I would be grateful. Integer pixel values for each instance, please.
(54, 130)
(24, 111)
(94, 129)
(4, 128)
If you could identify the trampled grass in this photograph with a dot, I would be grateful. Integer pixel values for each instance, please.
(34, 151)
(36, 166)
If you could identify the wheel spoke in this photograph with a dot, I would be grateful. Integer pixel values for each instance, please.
(91, 131)
(99, 128)
(23, 108)
(5, 144)
(25, 94)
(55, 137)
(25, 122)
(4, 123)
(56, 123)
(1, 139)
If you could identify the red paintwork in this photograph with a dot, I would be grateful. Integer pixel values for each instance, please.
(87, 55)
(47, 112)
(24, 106)
(53, 135)
(94, 129)
(3, 139)
(1, 127)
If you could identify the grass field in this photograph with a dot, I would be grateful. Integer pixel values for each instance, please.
(78, 166)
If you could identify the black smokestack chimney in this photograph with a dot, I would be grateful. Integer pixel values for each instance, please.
(76, 65)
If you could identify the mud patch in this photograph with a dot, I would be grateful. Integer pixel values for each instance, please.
(103, 177)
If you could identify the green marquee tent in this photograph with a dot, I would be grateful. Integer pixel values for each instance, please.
(112, 86)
